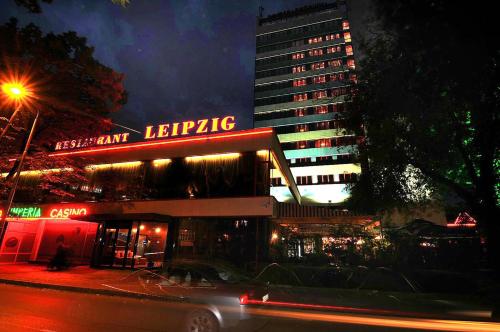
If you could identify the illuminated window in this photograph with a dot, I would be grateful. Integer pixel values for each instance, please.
(298, 56)
(186, 235)
(337, 77)
(324, 158)
(338, 92)
(276, 182)
(323, 125)
(302, 180)
(350, 64)
(345, 25)
(348, 49)
(298, 69)
(300, 97)
(301, 145)
(326, 178)
(347, 37)
(332, 36)
(300, 112)
(321, 109)
(318, 65)
(301, 128)
(333, 49)
(319, 94)
(323, 143)
(299, 82)
(348, 177)
(335, 63)
(315, 40)
(319, 79)
(303, 160)
(309, 246)
(316, 52)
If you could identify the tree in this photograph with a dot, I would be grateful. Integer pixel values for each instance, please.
(428, 96)
(74, 93)
(34, 6)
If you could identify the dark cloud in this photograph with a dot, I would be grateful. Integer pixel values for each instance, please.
(181, 59)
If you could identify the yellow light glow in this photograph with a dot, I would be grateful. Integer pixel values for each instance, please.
(278, 172)
(157, 230)
(17, 88)
(40, 172)
(142, 227)
(274, 236)
(115, 165)
(220, 156)
(263, 153)
(161, 162)
(14, 91)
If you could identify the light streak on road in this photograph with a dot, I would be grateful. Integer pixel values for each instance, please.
(387, 321)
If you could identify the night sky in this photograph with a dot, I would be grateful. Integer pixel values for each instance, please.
(182, 59)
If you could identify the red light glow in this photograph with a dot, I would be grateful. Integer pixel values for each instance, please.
(201, 139)
(244, 299)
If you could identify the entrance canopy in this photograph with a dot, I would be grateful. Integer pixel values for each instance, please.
(124, 217)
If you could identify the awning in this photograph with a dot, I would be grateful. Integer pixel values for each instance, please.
(123, 217)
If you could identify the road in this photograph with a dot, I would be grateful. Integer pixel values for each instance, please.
(32, 309)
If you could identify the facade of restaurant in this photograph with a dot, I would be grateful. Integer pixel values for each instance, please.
(142, 203)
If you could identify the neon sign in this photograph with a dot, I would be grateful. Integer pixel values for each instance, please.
(26, 212)
(67, 212)
(92, 141)
(203, 126)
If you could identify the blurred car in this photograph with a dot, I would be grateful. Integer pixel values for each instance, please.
(209, 295)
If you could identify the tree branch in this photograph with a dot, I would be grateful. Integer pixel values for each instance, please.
(461, 191)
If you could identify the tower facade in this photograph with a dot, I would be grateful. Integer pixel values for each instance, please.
(304, 70)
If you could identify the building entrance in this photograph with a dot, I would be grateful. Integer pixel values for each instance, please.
(130, 244)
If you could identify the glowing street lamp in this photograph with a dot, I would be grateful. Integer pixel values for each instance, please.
(19, 94)
(15, 91)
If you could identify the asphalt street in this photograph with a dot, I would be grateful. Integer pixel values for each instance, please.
(33, 309)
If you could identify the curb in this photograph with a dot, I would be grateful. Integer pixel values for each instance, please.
(97, 291)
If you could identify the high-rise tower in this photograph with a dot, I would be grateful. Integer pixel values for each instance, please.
(304, 69)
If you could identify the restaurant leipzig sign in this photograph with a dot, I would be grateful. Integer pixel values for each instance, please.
(165, 130)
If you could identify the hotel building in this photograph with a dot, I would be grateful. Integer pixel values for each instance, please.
(304, 69)
(143, 203)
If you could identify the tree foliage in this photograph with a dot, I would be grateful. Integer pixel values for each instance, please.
(428, 96)
(74, 93)
(33, 6)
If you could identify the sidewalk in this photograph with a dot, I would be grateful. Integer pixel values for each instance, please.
(81, 279)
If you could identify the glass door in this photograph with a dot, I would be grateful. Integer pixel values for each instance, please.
(123, 248)
(108, 246)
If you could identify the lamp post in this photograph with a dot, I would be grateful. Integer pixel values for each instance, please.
(17, 93)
